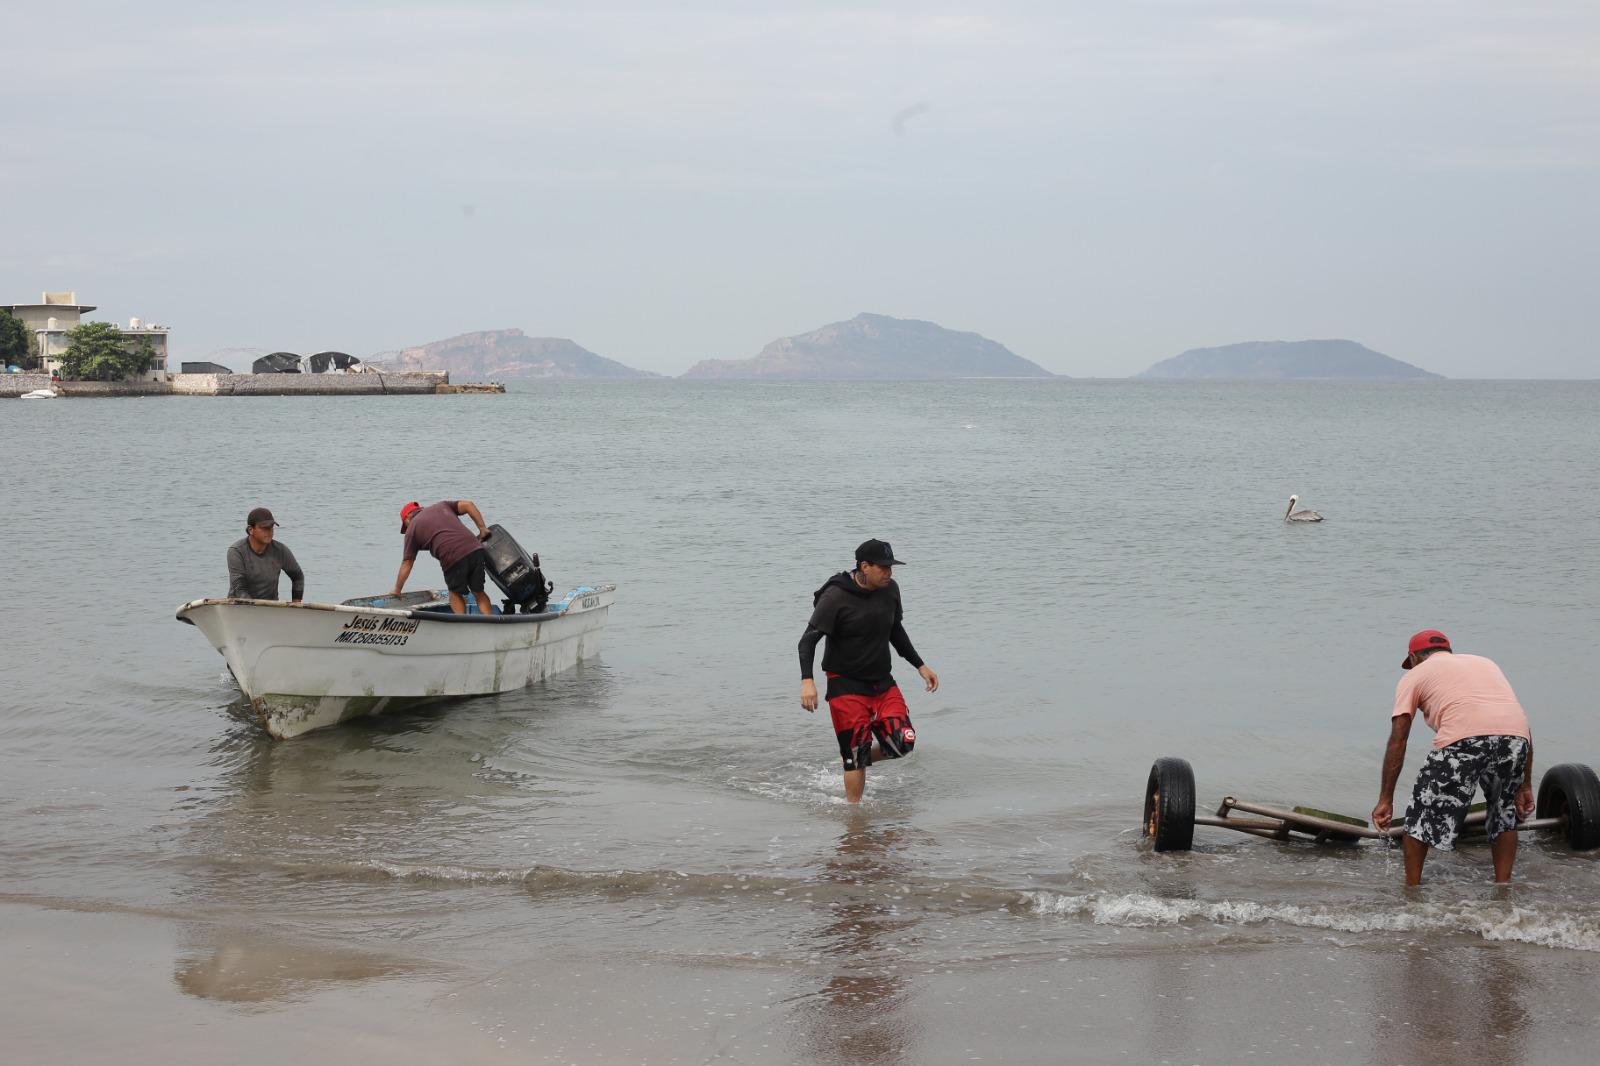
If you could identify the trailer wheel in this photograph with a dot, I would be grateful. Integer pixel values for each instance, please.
(1572, 789)
(1169, 805)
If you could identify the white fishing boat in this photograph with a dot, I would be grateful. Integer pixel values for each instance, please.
(41, 394)
(306, 666)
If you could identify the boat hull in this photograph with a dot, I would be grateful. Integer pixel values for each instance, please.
(309, 666)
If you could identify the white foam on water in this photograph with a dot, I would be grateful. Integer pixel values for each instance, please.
(1578, 932)
(448, 874)
(800, 782)
(813, 784)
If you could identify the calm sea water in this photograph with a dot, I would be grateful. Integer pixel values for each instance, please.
(649, 858)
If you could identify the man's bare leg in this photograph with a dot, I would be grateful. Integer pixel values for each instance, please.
(855, 781)
(1415, 852)
(458, 603)
(483, 602)
(1504, 851)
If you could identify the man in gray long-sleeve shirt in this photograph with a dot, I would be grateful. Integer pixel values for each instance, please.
(255, 562)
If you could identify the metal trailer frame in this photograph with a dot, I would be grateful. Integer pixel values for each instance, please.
(1568, 801)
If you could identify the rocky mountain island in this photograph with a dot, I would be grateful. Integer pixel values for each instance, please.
(510, 354)
(1331, 360)
(875, 347)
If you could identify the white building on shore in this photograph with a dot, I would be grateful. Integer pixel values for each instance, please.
(57, 312)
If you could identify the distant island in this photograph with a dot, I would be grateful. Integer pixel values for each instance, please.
(871, 347)
(876, 348)
(1331, 360)
(510, 354)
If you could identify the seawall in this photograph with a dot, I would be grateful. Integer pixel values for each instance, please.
(309, 384)
(407, 384)
(12, 385)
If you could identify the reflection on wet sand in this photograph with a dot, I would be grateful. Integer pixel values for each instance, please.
(240, 967)
(1174, 1030)
(264, 814)
(1171, 1031)
(858, 1015)
(1461, 1005)
(274, 845)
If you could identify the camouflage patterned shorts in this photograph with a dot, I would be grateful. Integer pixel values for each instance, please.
(1450, 776)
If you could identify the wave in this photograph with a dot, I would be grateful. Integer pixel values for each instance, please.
(898, 893)
(848, 884)
(1524, 925)
(1575, 928)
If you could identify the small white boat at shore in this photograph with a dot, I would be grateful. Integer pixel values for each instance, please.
(41, 394)
(305, 666)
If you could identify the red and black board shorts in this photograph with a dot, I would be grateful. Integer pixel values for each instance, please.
(857, 720)
(467, 575)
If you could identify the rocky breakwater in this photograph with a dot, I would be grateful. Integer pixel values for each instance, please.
(14, 385)
(422, 383)
(404, 384)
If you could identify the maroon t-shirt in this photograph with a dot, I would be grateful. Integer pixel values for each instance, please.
(437, 530)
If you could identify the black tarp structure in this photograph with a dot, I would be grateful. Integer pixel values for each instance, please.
(322, 362)
(205, 368)
(277, 363)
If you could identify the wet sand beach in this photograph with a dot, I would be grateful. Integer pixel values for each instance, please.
(93, 987)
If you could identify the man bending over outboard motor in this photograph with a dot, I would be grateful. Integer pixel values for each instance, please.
(437, 530)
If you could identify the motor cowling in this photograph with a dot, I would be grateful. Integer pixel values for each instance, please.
(517, 573)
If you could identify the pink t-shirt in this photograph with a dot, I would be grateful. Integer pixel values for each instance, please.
(1461, 696)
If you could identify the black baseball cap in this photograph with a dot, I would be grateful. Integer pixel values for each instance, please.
(878, 553)
(260, 517)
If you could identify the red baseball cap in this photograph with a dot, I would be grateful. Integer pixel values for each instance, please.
(407, 511)
(1426, 640)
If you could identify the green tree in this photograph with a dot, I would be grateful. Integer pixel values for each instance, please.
(97, 351)
(18, 345)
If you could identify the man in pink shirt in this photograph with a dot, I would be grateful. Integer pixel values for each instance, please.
(1481, 741)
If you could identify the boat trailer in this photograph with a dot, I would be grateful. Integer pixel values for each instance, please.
(1568, 801)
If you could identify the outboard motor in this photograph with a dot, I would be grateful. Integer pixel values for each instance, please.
(517, 573)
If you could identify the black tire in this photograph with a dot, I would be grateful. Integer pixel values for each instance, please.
(1169, 805)
(1572, 789)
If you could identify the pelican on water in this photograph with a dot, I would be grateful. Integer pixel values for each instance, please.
(1291, 515)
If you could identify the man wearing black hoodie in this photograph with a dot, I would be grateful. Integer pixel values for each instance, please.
(859, 612)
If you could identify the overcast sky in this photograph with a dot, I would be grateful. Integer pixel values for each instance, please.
(1096, 186)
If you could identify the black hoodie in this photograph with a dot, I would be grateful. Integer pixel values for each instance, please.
(860, 625)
